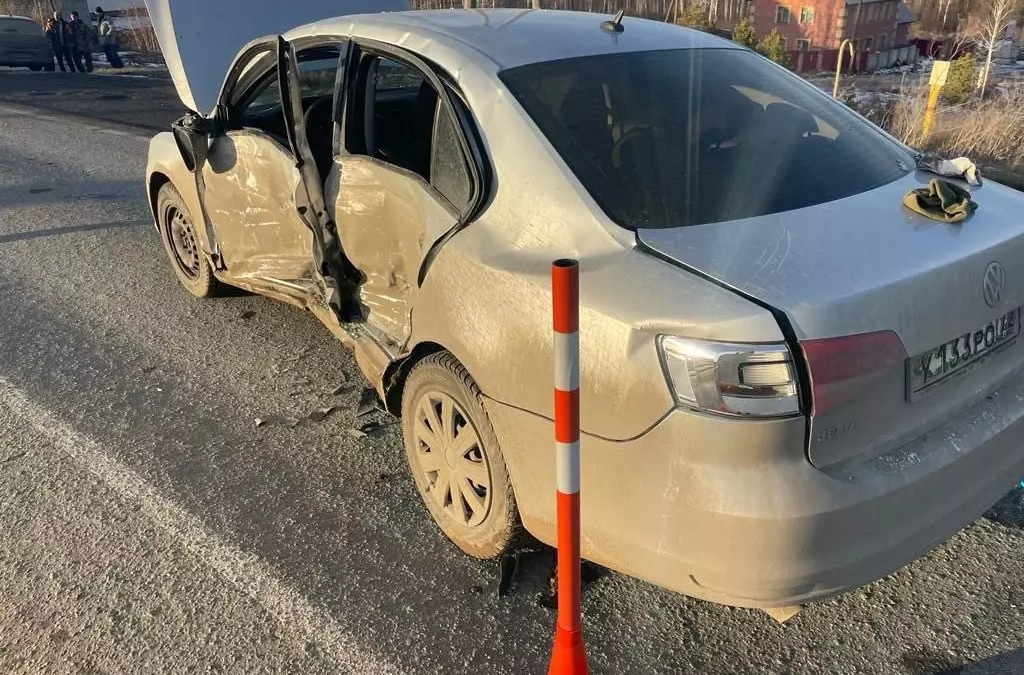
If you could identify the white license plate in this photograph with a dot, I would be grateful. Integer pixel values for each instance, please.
(937, 365)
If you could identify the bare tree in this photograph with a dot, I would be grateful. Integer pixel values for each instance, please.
(35, 9)
(993, 18)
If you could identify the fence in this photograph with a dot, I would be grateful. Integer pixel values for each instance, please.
(866, 61)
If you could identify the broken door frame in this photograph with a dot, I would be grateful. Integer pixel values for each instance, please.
(468, 138)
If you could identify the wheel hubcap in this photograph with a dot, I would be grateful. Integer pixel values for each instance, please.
(451, 457)
(183, 242)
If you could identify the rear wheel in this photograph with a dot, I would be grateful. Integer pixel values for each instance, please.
(456, 460)
(177, 230)
(35, 67)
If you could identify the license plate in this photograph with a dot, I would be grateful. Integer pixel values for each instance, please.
(956, 356)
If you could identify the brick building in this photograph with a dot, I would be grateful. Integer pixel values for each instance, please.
(874, 25)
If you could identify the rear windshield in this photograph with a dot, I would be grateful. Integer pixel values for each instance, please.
(19, 26)
(693, 136)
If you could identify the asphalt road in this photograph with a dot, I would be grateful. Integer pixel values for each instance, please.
(147, 525)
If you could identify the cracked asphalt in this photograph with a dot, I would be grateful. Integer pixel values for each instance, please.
(148, 525)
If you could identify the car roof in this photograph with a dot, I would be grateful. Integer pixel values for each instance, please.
(516, 37)
(200, 39)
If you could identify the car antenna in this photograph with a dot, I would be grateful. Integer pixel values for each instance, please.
(615, 25)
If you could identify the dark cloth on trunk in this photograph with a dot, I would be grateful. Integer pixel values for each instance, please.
(942, 201)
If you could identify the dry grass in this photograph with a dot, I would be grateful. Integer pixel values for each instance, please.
(138, 38)
(989, 131)
(905, 118)
(992, 131)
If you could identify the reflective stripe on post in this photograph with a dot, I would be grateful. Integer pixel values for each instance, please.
(567, 657)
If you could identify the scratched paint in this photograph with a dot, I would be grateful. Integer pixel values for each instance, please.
(249, 182)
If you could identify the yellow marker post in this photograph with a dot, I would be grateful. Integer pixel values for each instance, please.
(940, 72)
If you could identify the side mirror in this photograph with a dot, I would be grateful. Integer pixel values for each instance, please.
(192, 136)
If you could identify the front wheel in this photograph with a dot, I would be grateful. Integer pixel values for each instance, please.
(177, 230)
(456, 460)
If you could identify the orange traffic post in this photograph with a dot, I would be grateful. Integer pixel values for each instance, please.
(567, 657)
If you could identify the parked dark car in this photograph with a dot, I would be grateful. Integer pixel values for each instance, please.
(23, 44)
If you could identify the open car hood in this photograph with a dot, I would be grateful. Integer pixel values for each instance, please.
(200, 38)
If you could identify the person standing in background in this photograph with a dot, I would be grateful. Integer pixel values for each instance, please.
(57, 30)
(108, 39)
(83, 43)
(54, 40)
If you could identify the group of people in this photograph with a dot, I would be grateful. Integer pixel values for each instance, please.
(73, 41)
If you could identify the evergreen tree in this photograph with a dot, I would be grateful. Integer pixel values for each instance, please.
(772, 47)
(961, 80)
(744, 33)
(695, 15)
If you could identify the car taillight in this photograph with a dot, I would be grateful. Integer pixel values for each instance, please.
(840, 367)
(738, 380)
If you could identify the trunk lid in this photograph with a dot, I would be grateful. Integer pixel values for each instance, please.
(904, 285)
(200, 39)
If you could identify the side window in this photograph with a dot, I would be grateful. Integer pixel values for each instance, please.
(449, 173)
(404, 124)
(266, 99)
(260, 106)
(395, 76)
(399, 107)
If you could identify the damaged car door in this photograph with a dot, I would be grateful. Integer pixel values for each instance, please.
(257, 185)
(405, 182)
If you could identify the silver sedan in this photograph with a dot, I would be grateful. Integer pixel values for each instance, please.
(791, 384)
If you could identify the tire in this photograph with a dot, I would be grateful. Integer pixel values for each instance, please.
(35, 67)
(187, 260)
(435, 383)
(49, 67)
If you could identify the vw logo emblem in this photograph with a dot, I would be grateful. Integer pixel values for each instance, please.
(995, 279)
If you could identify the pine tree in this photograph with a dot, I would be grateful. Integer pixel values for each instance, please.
(772, 47)
(744, 33)
(961, 80)
(695, 15)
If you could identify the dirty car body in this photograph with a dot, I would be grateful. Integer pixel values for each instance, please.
(790, 385)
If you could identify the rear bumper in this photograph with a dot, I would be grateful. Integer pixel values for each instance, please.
(26, 58)
(733, 513)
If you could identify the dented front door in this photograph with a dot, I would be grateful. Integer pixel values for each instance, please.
(251, 181)
(254, 186)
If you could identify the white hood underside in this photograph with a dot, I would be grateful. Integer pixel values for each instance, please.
(201, 38)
